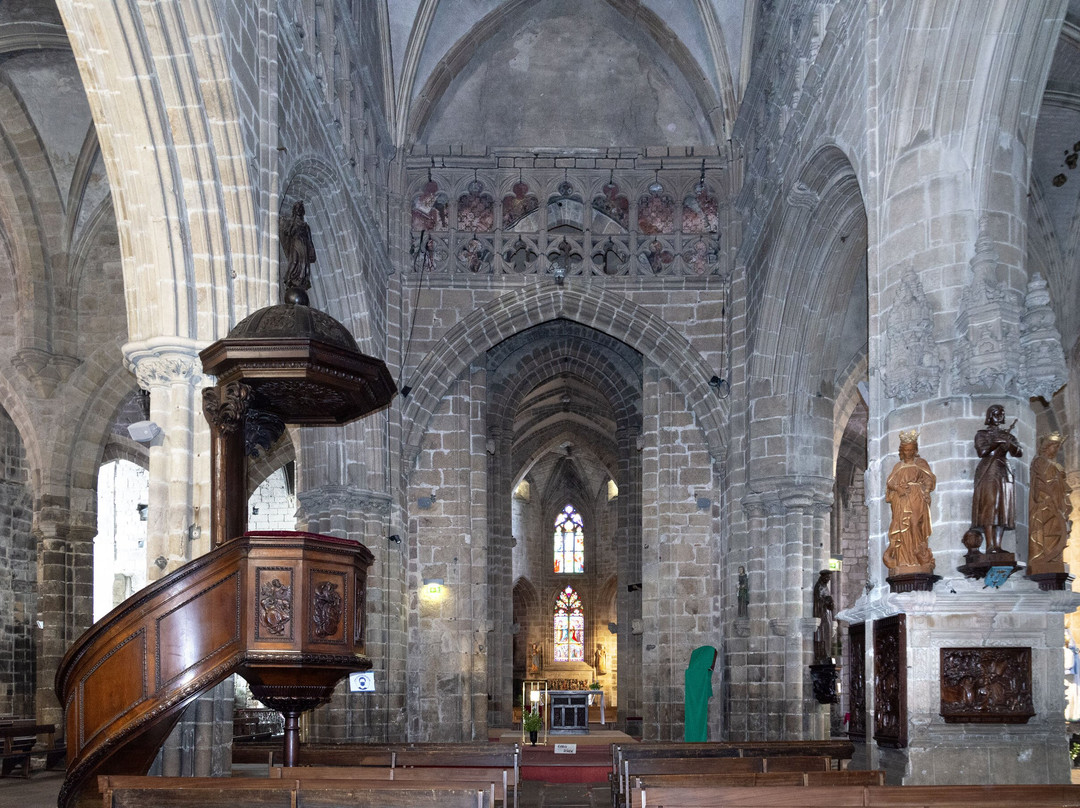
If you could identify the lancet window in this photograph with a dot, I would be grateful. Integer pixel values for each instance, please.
(569, 627)
(569, 541)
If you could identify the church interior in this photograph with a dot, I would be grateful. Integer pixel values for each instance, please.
(740, 324)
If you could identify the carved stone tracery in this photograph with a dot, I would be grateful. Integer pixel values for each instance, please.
(987, 327)
(633, 225)
(912, 364)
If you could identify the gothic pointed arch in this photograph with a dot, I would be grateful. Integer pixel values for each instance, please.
(606, 311)
(188, 245)
(805, 297)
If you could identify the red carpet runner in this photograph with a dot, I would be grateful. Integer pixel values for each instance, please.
(591, 764)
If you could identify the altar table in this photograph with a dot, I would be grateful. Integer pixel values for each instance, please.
(568, 710)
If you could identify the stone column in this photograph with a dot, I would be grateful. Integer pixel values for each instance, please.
(365, 516)
(946, 354)
(628, 540)
(180, 455)
(65, 578)
(170, 369)
(791, 530)
(500, 544)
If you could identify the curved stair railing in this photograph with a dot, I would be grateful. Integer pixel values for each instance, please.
(283, 609)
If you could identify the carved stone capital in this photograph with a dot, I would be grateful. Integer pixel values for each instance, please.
(165, 361)
(784, 494)
(318, 502)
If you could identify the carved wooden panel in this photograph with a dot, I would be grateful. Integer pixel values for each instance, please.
(360, 619)
(986, 685)
(113, 687)
(857, 680)
(274, 604)
(890, 681)
(188, 635)
(329, 606)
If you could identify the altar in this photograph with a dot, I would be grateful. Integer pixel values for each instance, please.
(568, 710)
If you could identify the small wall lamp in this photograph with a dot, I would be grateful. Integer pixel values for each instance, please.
(433, 586)
(721, 386)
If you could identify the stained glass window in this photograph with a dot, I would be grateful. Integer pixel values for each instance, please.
(569, 542)
(569, 627)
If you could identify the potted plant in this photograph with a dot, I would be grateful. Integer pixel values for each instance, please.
(531, 723)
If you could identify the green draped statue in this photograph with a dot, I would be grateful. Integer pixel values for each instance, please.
(698, 692)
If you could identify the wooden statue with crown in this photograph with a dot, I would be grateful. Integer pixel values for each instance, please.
(907, 490)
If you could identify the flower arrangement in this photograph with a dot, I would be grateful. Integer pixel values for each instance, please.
(531, 721)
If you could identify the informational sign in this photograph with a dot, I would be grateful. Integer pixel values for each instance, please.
(566, 749)
(363, 682)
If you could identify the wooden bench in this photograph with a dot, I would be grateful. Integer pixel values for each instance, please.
(838, 752)
(19, 739)
(498, 781)
(503, 760)
(671, 767)
(829, 777)
(999, 796)
(233, 792)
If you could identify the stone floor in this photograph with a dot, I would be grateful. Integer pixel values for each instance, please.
(41, 790)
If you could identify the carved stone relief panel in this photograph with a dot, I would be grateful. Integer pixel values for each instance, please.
(986, 685)
(890, 681)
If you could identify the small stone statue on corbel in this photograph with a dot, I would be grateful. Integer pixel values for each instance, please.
(743, 593)
(1048, 516)
(993, 501)
(907, 490)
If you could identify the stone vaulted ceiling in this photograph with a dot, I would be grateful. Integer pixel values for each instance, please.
(509, 63)
(1054, 223)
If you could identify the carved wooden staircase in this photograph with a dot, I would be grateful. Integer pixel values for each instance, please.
(284, 610)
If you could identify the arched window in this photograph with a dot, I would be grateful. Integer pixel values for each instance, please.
(569, 627)
(569, 541)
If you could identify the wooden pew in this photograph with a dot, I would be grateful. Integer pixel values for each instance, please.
(497, 781)
(633, 767)
(839, 752)
(504, 759)
(227, 792)
(999, 796)
(830, 777)
(18, 744)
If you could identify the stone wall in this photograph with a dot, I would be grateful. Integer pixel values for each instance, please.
(18, 576)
